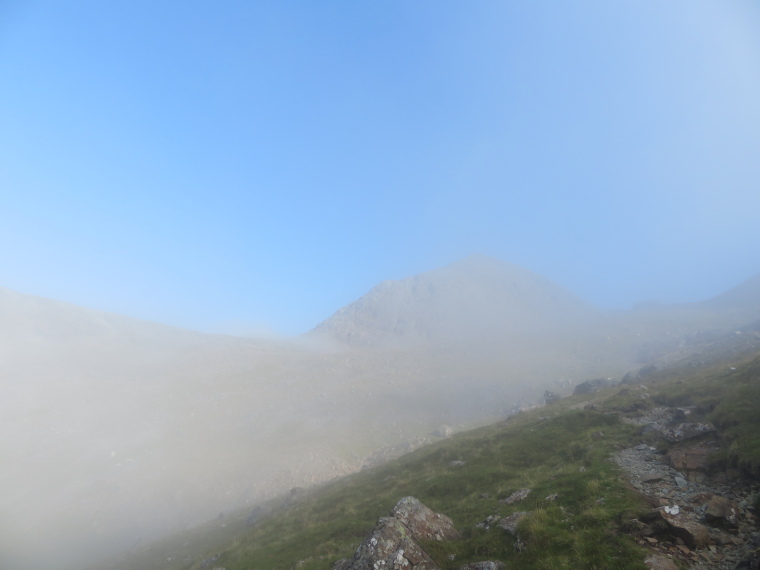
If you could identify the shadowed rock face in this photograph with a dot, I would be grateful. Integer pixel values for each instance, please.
(473, 298)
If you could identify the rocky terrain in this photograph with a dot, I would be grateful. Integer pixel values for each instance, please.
(705, 521)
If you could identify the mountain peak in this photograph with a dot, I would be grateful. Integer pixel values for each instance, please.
(474, 298)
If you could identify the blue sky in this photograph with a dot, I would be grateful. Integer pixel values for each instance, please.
(250, 166)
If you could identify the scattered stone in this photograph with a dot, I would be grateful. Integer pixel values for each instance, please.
(516, 496)
(657, 562)
(488, 565)
(510, 523)
(652, 477)
(686, 431)
(681, 482)
(486, 524)
(552, 497)
(485, 495)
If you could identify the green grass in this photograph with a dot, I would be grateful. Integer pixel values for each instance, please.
(728, 395)
(556, 449)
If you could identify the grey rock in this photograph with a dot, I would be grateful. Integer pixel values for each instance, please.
(422, 522)
(516, 496)
(657, 562)
(488, 565)
(652, 477)
(693, 534)
(389, 546)
(686, 431)
(722, 511)
(510, 523)
(392, 543)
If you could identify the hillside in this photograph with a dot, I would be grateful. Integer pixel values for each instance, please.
(580, 510)
(121, 431)
(745, 296)
(470, 300)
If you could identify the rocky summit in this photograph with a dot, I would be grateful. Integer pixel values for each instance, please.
(473, 298)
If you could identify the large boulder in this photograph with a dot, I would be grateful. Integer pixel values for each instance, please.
(422, 522)
(392, 544)
(682, 525)
(689, 460)
(722, 512)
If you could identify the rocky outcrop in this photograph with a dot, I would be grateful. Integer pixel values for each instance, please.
(668, 422)
(393, 542)
(423, 523)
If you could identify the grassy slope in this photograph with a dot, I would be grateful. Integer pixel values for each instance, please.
(543, 450)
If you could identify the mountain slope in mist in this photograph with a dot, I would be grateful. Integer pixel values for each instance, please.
(121, 430)
(474, 298)
(746, 295)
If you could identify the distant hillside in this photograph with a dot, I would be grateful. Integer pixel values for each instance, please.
(744, 296)
(471, 299)
(28, 318)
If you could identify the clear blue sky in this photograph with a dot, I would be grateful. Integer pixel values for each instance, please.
(236, 166)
